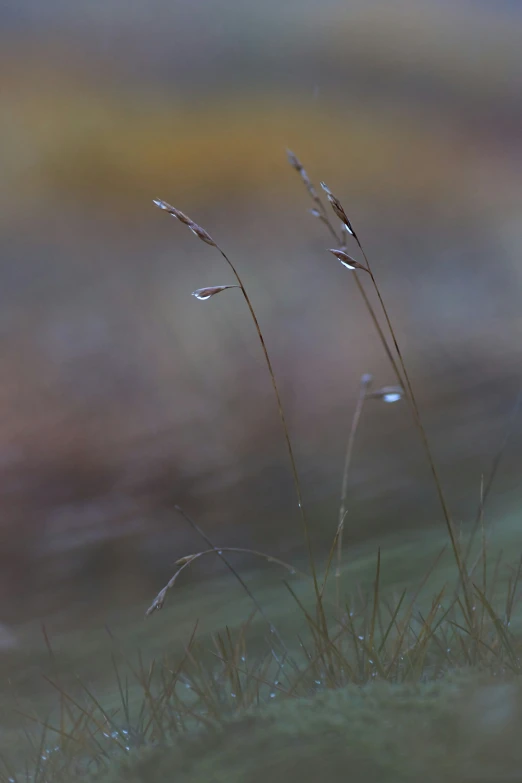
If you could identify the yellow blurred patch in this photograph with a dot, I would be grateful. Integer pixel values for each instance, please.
(69, 138)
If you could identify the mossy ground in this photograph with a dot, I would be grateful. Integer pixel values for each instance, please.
(462, 728)
(454, 724)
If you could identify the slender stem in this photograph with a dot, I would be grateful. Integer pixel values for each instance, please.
(380, 332)
(486, 488)
(447, 516)
(241, 581)
(365, 381)
(297, 483)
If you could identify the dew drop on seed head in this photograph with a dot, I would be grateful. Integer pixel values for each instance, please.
(391, 397)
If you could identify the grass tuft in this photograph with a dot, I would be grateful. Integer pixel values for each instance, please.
(390, 686)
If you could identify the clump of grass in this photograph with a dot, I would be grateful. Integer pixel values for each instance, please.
(176, 714)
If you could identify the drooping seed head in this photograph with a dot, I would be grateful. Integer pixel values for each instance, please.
(294, 160)
(338, 208)
(205, 293)
(346, 260)
(184, 560)
(202, 234)
(179, 215)
(298, 166)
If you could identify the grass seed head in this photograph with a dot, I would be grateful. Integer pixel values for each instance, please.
(338, 208)
(205, 293)
(298, 166)
(179, 215)
(346, 260)
(202, 234)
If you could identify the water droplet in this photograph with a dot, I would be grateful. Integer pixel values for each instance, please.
(361, 638)
(220, 551)
(272, 695)
(392, 397)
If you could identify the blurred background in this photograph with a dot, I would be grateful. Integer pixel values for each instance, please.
(121, 395)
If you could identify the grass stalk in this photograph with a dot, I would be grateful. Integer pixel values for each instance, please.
(363, 388)
(202, 234)
(450, 526)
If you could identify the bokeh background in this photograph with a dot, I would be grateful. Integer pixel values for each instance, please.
(121, 395)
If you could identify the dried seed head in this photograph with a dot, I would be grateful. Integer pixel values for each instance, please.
(317, 214)
(294, 160)
(298, 166)
(338, 208)
(184, 560)
(347, 261)
(205, 293)
(388, 394)
(177, 213)
(202, 234)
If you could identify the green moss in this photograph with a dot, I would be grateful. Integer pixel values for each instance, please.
(462, 728)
